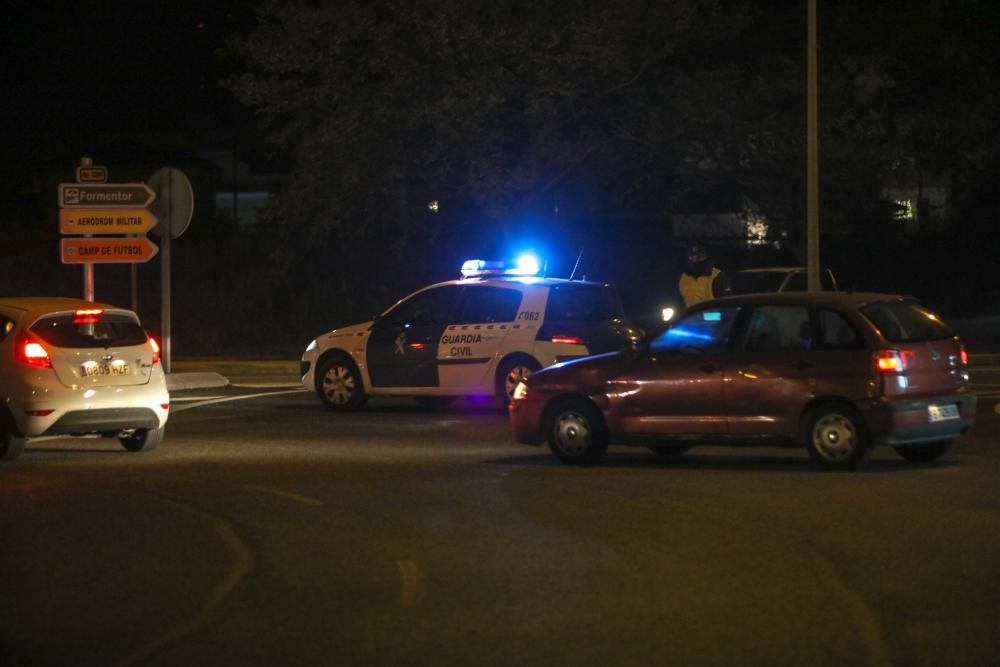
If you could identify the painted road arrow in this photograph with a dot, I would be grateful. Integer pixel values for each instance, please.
(106, 221)
(108, 250)
(105, 195)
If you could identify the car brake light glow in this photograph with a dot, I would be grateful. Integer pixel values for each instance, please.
(963, 355)
(165, 406)
(38, 413)
(88, 316)
(156, 350)
(893, 361)
(30, 352)
(568, 340)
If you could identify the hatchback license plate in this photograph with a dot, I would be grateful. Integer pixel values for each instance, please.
(938, 413)
(104, 369)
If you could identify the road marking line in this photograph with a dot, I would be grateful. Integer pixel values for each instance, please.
(188, 399)
(871, 634)
(287, 495)
(413, 582)
(236, 398)
(243, 563)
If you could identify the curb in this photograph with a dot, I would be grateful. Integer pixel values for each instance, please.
(181, 381)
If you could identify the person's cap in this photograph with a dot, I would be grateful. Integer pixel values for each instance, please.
(696, 252)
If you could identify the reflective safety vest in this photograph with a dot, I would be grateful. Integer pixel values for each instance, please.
(695, 290)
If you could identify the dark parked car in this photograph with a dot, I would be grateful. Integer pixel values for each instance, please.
(837, 372)
(779, 279)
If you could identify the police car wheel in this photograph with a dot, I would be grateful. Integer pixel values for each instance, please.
(339, 385)
(511, 372)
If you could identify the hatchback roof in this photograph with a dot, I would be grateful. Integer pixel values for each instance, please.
(36, 306)
(831, 298)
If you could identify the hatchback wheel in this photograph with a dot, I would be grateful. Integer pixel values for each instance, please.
(836, 437)
(924, 453)
(142, 439)
(339, 385)
(576, 433)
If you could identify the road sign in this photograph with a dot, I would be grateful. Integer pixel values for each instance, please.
(107, 250)
(105, 195)
(106, 221)
(174, 203)
(91, 174)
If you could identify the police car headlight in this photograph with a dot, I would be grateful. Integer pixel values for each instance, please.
(520, 391)
(311, 346)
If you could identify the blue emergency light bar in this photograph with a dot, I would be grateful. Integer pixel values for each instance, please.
(527, 265)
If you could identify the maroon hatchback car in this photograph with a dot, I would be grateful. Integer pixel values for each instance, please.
(837, 372)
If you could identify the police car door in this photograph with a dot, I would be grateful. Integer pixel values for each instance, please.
(484, 316)
(403, 346)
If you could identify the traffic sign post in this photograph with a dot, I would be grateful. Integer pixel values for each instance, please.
(107, 250)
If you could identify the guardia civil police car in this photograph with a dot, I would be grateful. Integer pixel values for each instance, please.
(478, 335)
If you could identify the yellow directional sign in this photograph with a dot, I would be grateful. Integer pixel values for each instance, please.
(107, 250)
(106, 221)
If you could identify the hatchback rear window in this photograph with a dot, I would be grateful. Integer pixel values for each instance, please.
(902, 322)
(584, 302)
(104, 330)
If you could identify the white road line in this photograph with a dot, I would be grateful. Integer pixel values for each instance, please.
(236, 398)
(413, 582)
(188, 399)
(242, 563)
(287, 495)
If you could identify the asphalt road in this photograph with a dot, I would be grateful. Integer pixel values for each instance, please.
(266, 530)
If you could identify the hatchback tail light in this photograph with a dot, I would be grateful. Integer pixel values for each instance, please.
(156, 350)
(963, 356)
(29, 351)
(893, 361)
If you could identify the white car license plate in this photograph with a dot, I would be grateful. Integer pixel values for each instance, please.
(938, 413)
(100, 370)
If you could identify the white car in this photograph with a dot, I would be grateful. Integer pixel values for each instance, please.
(476, 336)
(73, 367)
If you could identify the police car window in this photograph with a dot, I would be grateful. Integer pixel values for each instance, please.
(488, 304)
(88, 331)
(836, 333)
(774, 328)
(703, 331)
(433, 306)
(583, 302)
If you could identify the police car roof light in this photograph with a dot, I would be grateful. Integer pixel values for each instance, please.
(472, 268)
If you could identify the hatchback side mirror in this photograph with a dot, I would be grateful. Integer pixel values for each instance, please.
(640, 346)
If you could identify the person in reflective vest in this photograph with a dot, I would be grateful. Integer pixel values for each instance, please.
(701, 280)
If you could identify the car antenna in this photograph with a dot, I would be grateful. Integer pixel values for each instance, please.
(578, 257)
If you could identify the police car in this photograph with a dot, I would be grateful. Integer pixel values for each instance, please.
(478, 335)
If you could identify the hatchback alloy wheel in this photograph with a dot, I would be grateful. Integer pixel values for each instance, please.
(835, 438)
(577, 434)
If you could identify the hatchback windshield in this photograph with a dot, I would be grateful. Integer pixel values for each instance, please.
(906, 322)
(704, 331)
(584, 302)
(87, 330)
